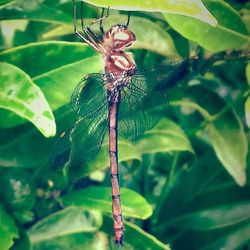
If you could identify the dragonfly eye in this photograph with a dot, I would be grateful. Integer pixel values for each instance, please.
(123, 39)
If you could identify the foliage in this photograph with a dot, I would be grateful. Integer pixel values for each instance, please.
(184, 182)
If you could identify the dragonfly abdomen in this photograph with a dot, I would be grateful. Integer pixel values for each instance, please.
(113, 152)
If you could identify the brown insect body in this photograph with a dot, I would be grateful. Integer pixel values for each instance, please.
(119, 65)
(119, 68)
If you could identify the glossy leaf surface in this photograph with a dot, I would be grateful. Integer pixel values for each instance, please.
(99, 198)
(20, 95)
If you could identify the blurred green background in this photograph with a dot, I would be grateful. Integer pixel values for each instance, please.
(185, 183)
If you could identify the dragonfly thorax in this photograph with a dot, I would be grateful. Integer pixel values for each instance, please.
(120, 62)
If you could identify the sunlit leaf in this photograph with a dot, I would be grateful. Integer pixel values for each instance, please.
(65, 222)
(194, 8)
(230, 145)
(133, 204)
(57, 71)
(215, 217)
(8, 229)
(164, 137)
(230, 33)
(20, 95)
(225, 132)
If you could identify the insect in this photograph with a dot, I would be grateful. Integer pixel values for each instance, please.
(123, 99)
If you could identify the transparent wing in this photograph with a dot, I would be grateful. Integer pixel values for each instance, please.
(83, 140)
(133, 122)
(166, 74)
(90, 96)
(86, 138)
(81, 143)
(144, 101)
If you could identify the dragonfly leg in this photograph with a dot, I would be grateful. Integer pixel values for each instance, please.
(100, 24)
(100, 20)
(129, 14)
(88, 39)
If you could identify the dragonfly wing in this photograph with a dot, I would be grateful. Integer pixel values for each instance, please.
(144, 101)
(86, 138)
(166, 74)
(82, 142)
(141, 111)
(89, 96)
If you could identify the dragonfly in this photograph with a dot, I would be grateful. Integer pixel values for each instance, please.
(123, 99)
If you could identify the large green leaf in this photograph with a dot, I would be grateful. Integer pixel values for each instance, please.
(133, 204)
(65, 222)
(164, 137)
(134, 236)
(230, 145)
(60, 66)
(232, 240)
(224, 131)
(215, 217)
(230, 33)
(8, 229)
(20, 95)
(33, 10)
(193, 8)
(157, 40)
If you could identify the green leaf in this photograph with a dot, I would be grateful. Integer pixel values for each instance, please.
(134, 236)
(8, 230)
(230, 241)
(33, 10)
(77, 241)
(215, 217)
(133, 204)
(230, 33)
(57, 71)
(65, 222)
(20, 95)
(230, 144)
(191, 8)
(224, 131)
(247, 111)
(164, 137)
(158, 40)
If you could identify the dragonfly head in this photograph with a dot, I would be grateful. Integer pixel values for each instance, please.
(119, 37)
